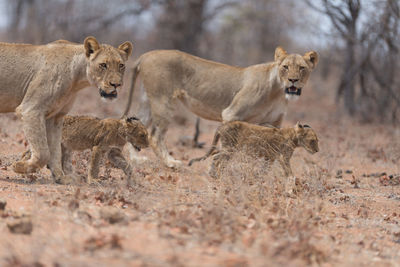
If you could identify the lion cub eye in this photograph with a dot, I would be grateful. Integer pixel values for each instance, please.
(286, 67)
(103, 66)
(302, 68)
(121, 66)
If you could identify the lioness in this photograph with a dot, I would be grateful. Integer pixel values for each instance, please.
(107, 136)
(258, 94)
(40, 83)
(261, 142)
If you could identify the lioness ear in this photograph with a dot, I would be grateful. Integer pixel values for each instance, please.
(280, 54)
(91, 45)
(127, 48)
(311, 58)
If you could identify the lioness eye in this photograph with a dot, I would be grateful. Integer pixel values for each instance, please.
(103, 65)
(302, 68)
(286, 67)
(121, 66)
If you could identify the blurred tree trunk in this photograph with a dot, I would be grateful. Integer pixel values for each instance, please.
(180, 25)
(42, 21)
(344, 16)
(370, 53)
(347, 81)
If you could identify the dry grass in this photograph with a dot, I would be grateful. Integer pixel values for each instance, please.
(343, 212)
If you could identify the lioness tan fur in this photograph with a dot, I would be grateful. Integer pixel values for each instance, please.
(261, 142)
(107, 136)
(40, 83)
(257, 94)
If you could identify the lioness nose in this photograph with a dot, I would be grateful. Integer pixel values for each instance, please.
(115, 85)
(293, 80)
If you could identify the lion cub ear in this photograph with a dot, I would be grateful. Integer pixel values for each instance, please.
(127, 48)
(298, 127)
(280, 54)
(91, 45)
(311, 58)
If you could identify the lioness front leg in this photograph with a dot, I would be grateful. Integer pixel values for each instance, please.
(118, 160)
(243, 104)
(54, 131)
(34, 127)
(157, 142)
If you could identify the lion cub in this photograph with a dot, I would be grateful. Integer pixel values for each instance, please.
(261, 142)
(107, 136)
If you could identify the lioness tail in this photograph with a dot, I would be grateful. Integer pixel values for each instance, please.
(131, 89)
(212, 149)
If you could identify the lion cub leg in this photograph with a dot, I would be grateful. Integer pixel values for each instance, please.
(94, 165)
(284, 161)
(34, 126)
(118, 160)
(66, 160)
(218, 163)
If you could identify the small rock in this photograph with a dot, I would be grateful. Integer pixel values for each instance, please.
(349, 171)
(73, 204)
(21, 226)
(112, 215)
(84, 216)
(3, 204)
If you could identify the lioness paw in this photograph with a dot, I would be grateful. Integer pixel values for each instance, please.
(66, 179)
(24, 167)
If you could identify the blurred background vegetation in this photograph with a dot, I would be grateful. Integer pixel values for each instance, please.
(358, 40)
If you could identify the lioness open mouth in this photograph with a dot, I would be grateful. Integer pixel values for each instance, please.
(292, 90)
(137, 148)
(111, 95)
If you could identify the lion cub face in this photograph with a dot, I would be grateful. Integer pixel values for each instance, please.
(106, 66)
(294, 70)
(307, 138)
(136, 133)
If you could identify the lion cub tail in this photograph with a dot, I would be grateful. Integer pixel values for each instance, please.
(212, 149)
(131, 89)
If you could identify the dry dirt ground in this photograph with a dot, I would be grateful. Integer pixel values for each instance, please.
(346, 211)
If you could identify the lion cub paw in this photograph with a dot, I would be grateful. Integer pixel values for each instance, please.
(173, 163)
(291, 193)
(23, 167)
(93, 180)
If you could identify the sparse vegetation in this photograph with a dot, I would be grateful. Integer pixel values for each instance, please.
(244, 218)
(344, 209)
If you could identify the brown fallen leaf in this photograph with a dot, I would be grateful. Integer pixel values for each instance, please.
(112, 215)
(21, 226)
(3, 204)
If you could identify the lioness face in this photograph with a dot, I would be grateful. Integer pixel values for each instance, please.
(106, 66)
(294, 73)
(294, 70)
(136, 133)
